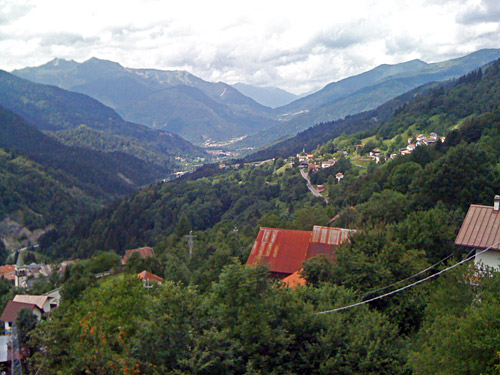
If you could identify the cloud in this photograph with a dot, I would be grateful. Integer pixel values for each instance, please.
(283, 43)
(486, 11)
(12, 11)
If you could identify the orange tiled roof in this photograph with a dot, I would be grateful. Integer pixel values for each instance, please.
(145, 275)
(8, 272)
(294, 280)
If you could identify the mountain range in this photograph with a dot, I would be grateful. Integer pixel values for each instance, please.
(79, 120)
(364, 92)
(199, 111)
(216, 114)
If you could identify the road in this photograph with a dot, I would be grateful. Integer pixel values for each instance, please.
(311, 188)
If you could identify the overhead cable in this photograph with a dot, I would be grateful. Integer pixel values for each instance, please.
(408, 278)
(407, 286)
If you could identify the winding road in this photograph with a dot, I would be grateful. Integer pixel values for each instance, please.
(311, 188)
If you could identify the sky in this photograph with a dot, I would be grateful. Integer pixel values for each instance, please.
(299, 46)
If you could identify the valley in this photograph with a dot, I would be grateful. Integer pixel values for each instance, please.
(165, 255)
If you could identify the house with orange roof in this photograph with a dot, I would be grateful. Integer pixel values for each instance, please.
(12, 310)
(149, 279)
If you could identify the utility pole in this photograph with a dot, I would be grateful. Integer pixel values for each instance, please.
(15, 364)
(190, 238)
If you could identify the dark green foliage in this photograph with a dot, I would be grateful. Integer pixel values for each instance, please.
(25, 322)
(96, 173)
(3, 252)
(51, 108)
(244, 324)
(76, 279)
(462, 176)
(461, 332)
(156, 212)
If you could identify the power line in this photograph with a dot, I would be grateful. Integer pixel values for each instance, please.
(408, 278)
(405, 287)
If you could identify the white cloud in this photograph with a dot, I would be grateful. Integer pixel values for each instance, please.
(291, 44)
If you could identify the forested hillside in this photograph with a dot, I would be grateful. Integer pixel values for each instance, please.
(216, 316)
(55, 110)
(365, 92)
(45, 184)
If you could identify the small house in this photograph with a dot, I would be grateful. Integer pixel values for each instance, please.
(42, 302)
(12, 310)
(421, 138)
(481, 230)
(149, 278)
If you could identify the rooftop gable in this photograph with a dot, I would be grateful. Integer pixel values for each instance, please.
(284, 250)
(481, 228)
(39, 301)
(13, 308)
(146, 275)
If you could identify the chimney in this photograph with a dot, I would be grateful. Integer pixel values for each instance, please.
(496, 203)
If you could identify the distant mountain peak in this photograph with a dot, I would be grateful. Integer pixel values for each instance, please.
(58, 62)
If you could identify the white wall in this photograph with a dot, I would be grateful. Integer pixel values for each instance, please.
(490, 258)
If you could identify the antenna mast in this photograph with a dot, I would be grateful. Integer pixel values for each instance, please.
(190, 238)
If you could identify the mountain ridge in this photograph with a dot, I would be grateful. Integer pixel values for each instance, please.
(146, 83)
(53, 109)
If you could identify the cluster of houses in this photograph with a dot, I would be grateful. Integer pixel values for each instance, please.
(420, 140)
(24, 276)
(311, 163)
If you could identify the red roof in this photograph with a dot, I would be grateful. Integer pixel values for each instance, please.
(284, 250)
(12, 310)
(8, 272)
(145, 275)
(144, 252)
(481, 228)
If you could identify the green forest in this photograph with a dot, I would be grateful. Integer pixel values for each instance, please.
(214, 315)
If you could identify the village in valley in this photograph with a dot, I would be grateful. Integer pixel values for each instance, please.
(360, 155)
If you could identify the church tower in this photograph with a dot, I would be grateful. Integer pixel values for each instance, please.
(21, 277)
